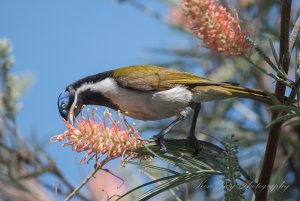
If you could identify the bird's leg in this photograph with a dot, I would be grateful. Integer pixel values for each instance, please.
(160, 136)
(192, 136)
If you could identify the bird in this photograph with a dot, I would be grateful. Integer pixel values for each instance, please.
(150, 93)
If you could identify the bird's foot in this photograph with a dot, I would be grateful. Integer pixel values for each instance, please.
(161, 141)
(197, 146)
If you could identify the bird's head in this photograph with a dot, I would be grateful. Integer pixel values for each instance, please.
(86, 91)
(65, 104)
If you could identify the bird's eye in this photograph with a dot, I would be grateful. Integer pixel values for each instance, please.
(63, 106)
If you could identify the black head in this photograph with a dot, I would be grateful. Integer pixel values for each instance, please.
(79, 93)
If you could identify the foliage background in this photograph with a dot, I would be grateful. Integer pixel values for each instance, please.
(58, 42)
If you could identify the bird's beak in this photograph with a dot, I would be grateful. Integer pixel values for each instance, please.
(71, 118)
(74, 112)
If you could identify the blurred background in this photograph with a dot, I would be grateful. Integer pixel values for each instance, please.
(56, 42)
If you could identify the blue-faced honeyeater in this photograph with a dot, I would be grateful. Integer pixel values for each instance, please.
(148, 92)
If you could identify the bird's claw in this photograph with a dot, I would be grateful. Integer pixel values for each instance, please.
(197, 146)
(161, 141)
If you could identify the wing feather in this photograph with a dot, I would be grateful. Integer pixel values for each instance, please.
(149, 78)
(155, 78)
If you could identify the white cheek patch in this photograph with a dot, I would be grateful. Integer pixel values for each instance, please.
(108, 85)
(82, 88)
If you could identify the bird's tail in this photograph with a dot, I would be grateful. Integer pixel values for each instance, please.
(216, 91)
(243, 92)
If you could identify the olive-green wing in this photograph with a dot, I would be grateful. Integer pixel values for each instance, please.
(148, 78)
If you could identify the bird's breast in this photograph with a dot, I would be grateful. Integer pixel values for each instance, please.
(150, 105)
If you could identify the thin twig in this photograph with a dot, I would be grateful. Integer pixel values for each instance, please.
(278, 79)
(275, 129)
(77, 189)
(65, 181)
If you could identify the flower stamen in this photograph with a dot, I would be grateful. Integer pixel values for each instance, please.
(100, 140)
(218, 28)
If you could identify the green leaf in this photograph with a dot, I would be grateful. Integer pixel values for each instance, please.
(279, 79)
(186, 165)
(147, 184)
(282, 118)
(263, 55)
(153, 167)
(159, 156)
(194, 169)
(184, 178)
(274, 52)
(283, 107)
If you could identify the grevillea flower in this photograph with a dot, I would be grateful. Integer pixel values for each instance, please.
(220, 30)
(101, 139)
(178, 18)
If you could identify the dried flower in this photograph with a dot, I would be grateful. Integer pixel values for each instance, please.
(220, 31)
(98, 139)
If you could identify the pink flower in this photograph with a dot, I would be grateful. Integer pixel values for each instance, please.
(178, 18)
(220, 31)
(99, 139)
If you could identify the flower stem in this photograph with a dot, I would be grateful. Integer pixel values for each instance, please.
(77, 189)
